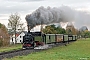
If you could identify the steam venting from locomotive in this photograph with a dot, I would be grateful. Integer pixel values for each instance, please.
(56, 15)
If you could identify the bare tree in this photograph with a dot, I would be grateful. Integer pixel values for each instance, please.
(14, 23)
(21, 27)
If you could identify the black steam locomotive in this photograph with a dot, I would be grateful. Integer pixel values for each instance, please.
(29, 40)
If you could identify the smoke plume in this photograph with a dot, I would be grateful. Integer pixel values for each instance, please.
(56, 15)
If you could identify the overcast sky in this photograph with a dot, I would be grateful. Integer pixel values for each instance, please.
(24, 7)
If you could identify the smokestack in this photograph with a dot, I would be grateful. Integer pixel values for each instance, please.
(28, 28)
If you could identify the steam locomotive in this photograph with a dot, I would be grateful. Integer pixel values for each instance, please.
(29, 40)
(33, 39)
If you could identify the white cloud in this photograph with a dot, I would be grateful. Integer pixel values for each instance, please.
(24, 7)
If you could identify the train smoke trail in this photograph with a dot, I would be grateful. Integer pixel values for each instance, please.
(49, 15)
(56, 15)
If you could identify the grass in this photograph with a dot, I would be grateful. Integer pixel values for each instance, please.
(10, 48)
(79, 50)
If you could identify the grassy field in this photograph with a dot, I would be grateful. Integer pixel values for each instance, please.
(11, 47)
(79, 50)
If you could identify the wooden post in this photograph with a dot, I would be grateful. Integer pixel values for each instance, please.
(68, 39)
(63, 39)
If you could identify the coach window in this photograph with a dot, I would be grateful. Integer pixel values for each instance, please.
(49, 37)
(20, 36)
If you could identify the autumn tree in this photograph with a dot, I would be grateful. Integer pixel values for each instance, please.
(70, 29)
(49, 30)
(85, 34)
(4, 36)
(14, 23)
(52, 29)
(0, 25)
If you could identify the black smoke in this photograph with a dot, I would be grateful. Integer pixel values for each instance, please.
(56, 15)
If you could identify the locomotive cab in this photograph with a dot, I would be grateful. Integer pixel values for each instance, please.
(28, 41)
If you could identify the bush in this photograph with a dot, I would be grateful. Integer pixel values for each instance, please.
(5, 42)
(1, 42)
(0, 25)
(4, 36)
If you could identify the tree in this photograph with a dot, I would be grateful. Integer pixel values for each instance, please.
(21, 27)
(4, 36)
(49, 30)
(86, 34)
(54, 30)
(70, 29)
(60, 30)
(0, 25)
(14, 23)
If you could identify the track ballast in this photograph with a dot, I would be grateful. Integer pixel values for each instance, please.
(21, 52)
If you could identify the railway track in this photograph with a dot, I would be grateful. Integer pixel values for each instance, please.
(21, 52)
(17, 53)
